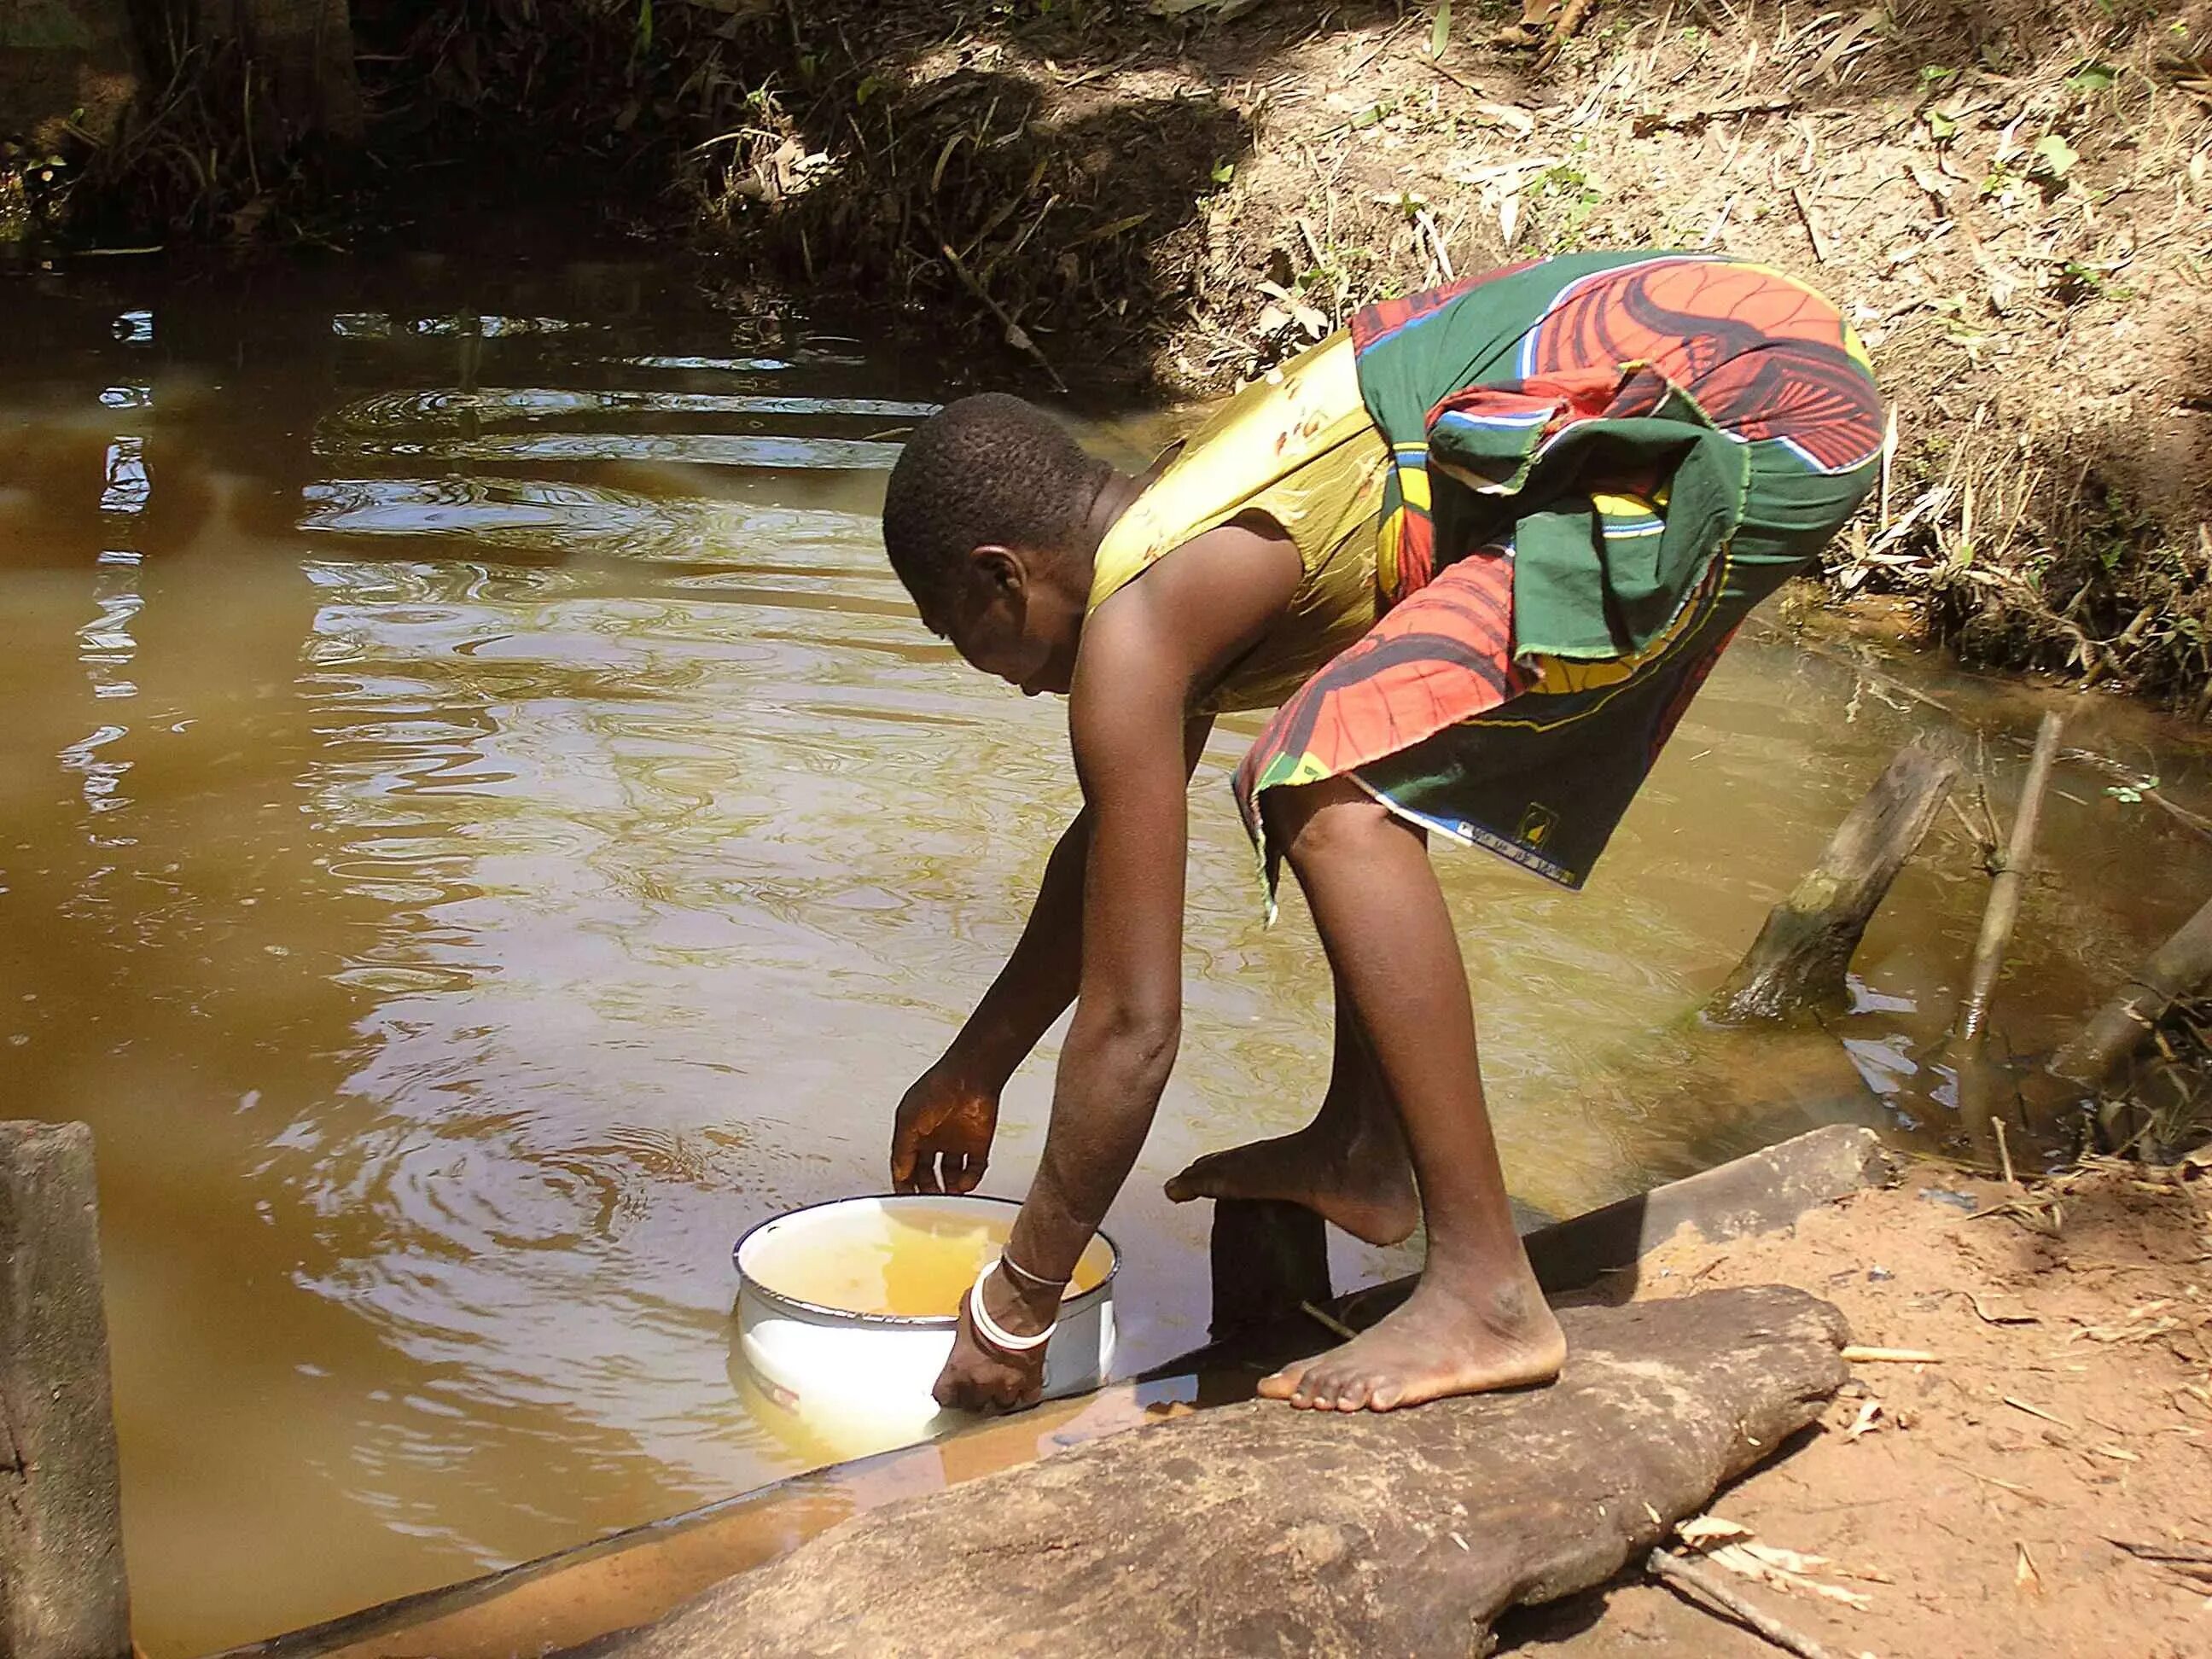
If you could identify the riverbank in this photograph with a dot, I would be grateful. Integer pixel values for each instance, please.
(2010, 203)
(2043, 1484)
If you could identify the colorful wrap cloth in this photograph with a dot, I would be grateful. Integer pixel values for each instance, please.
(1601, 463)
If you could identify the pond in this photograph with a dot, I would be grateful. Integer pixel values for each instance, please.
(484, 827)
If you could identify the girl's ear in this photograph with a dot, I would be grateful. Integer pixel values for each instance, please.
(1000, 566)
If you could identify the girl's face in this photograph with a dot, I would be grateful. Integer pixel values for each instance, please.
(1011, 620)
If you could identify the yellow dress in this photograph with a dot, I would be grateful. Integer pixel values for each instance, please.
(1299, 449)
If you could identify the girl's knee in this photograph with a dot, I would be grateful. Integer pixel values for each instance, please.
(1312, 821)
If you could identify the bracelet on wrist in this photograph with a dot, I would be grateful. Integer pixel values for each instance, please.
(1014, 1269)
(992, 1331)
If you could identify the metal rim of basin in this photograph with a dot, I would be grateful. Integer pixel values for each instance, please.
(1069, 1306)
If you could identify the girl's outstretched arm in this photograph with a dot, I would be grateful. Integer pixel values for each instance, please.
(1147, 653)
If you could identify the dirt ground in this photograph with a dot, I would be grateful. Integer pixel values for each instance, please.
(1985, 1503)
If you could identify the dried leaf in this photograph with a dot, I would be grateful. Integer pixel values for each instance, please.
(1704, 1531)
(1773, 1555)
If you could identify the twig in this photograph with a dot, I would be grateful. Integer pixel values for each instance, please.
(1989, 1318)
(1454, 76)
(2143, 785)
(1327, 1320)
(1683, 120)
(1017, 336)
(1856, 1355)
(1678, 1573)
(2004, 1149)
(1812, 225)
(1888, 463)
(2002, 1486)
(2036, 1411)
(1435, 243)
(1973, 830)
(1380, 46)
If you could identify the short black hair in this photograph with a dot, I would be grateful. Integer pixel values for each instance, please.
(989, 468)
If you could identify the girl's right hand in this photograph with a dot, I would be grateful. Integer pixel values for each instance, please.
(941, 1137)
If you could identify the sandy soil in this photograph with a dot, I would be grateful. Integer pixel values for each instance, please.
(1979, 1505)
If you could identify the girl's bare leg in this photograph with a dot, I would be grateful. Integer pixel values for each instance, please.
(1478, 1320)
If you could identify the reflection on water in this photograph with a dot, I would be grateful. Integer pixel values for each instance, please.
(483, 828)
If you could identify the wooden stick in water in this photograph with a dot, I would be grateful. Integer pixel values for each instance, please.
(2004, 911)
(1677, 1572)
(1978, 1083)
(1803, 954)
(2175, 970)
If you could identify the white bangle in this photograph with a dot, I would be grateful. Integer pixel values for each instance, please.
(992, 1331)
(1014, 1269)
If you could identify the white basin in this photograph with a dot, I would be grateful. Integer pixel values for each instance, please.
(853, 1372)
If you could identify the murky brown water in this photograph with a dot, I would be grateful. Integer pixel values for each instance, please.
(483, 827)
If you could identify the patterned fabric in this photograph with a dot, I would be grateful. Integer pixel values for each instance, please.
(1600, 463)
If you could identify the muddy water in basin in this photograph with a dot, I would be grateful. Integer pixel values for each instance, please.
(482, 828)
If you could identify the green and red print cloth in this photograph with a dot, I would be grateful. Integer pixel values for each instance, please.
(1602, 462)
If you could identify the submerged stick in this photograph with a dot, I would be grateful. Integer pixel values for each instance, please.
(1675, 1572)
(2176, 969)
(2004, 912)
(62, 1590)
(2139, 783)
(1977, 1084)
(1801, 954)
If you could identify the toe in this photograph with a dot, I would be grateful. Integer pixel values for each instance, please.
(1284, 1384)
(1387, 1397)
(1352, 1395)
(1196, 1180)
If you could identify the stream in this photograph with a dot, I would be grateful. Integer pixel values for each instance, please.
(483, 827)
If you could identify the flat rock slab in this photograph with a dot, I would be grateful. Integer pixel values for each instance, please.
(1256, 1530)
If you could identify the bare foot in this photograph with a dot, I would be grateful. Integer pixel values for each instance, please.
(1443, 1342)
(1347, 1165)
